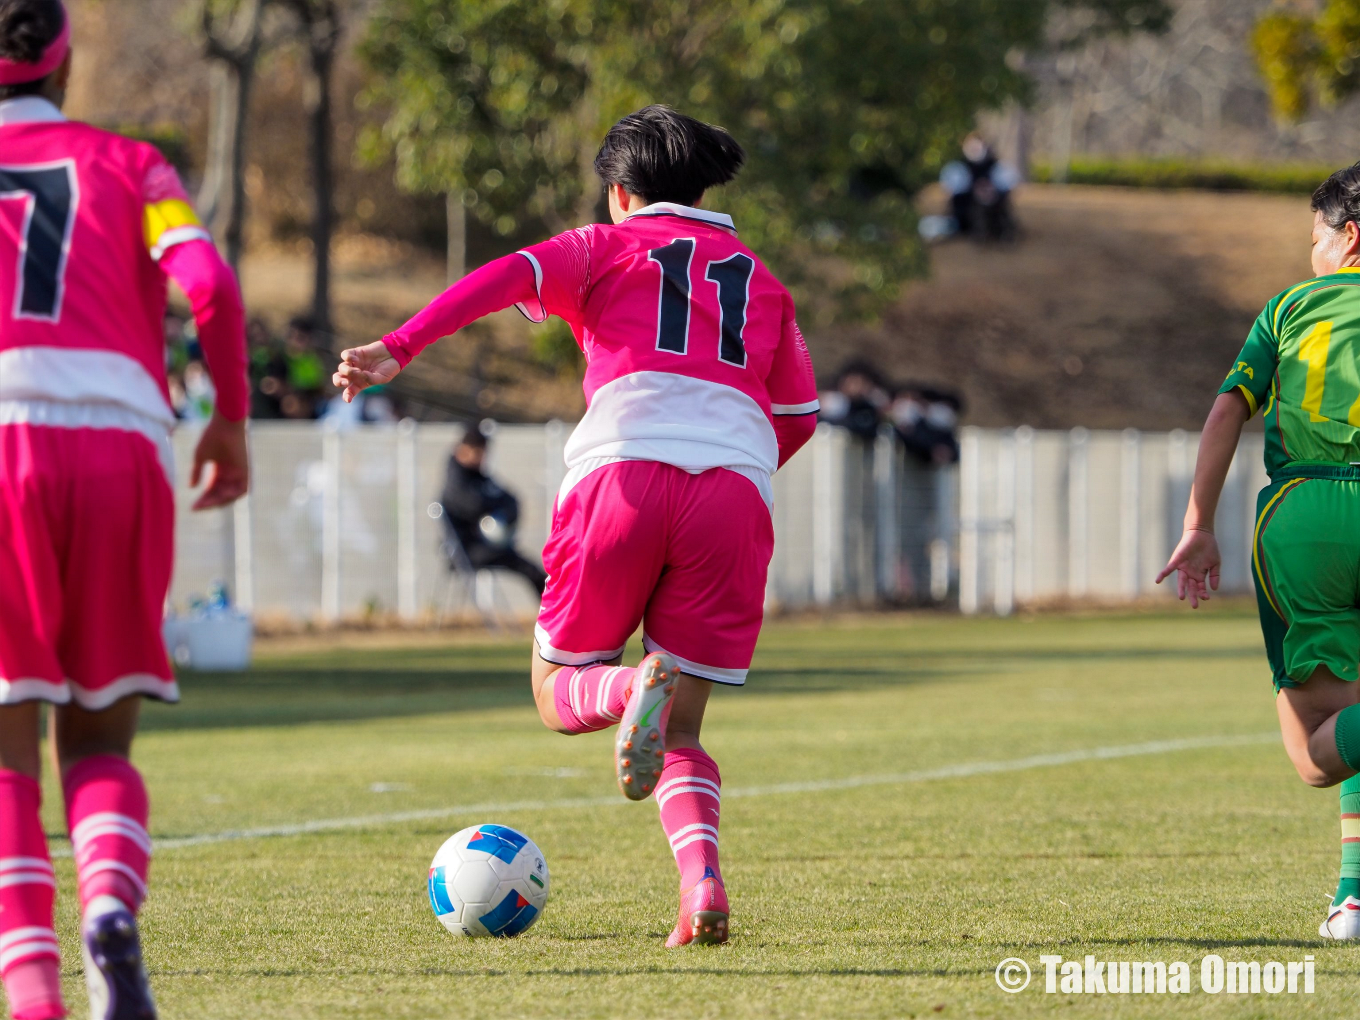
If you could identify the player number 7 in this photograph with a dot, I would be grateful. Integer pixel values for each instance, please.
(47, 195)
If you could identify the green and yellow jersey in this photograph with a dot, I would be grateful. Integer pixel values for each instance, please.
(1301, 362)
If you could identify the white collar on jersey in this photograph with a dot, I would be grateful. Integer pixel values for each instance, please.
(28, 110)
(687, 211)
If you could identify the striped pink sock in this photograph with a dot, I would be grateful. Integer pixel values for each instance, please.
(106, 809)
(590, 698)
(690, 798)
(29, 957)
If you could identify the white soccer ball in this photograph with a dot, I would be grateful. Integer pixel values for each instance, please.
(488, 880)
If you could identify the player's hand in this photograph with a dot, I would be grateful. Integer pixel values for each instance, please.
(223, 444)
(362, 367)
(1195, 563)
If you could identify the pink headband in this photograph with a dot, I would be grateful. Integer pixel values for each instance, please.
(14, 72)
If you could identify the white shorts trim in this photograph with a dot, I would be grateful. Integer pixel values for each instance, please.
(731, 677)
(147, 684)
(549, 653)
(56, 414)
(32, 689)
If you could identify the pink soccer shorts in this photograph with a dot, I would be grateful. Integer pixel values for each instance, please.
(686, 555)
(87, 524)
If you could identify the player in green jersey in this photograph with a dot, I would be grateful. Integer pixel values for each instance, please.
(1301, 366)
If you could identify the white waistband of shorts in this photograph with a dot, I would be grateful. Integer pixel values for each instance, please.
(575, 474)
(59, 414)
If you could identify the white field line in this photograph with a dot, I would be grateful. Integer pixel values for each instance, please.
(492, 808)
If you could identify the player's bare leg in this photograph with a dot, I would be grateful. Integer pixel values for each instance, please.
(544, 677)
(1308, 722)
(690, 798)
(594, 696)
(1309, 718)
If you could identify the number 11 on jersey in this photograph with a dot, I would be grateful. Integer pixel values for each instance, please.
(733, 277)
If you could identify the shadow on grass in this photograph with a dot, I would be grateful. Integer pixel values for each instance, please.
(338, 686)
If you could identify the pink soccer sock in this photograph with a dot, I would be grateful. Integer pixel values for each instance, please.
(29, 957)
(590, 698)
(690, 798)
(106, 809)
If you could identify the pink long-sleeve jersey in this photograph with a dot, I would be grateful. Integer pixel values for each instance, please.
(692, 351)
(91, 223)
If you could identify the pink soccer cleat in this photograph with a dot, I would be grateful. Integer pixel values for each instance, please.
(703, 914)
(640, 747)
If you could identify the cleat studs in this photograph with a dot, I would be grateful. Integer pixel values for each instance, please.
(625, 762)
(651, 681)
(657, 773)
(628, 745)
(647, 789)
(633, 730)
(655, 736)
(627, 779)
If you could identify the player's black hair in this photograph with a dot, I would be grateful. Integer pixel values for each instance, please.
(27, 28)
(664, 156)
(474, 438)
(1338, 197)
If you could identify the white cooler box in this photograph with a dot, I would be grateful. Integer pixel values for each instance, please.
(218, 643)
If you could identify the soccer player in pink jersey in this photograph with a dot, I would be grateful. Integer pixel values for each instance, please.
(698, 386)
(91, 224)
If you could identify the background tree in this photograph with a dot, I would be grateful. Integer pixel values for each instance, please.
(321, 28)
(478, 96)
(845, 108)
(1309, 58)
(232, 34)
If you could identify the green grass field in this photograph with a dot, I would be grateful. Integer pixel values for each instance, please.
(887, 898)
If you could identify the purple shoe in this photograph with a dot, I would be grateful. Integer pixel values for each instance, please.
(114, 973)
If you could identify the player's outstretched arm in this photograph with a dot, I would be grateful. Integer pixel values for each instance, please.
(1196, 560)
(362, 367)
(497, 285)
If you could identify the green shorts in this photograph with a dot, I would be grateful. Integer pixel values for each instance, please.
(1306, 562)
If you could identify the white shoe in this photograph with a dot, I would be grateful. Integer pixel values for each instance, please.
(640, 746)
(1343, 920)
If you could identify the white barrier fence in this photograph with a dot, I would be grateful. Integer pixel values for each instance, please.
(1084, 514)
(337, 524)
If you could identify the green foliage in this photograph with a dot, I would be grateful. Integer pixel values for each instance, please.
(1309, 59)
(1189, 174)
(554, 346)
(845, 108)
(477, 96)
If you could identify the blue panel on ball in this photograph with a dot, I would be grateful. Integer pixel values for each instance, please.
(439, 892)
(498, 841)
(510, 917)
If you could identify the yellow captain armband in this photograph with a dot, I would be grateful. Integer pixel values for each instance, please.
(1251, 401)
(168, 223)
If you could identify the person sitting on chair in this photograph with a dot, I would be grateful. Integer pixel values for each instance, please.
(482, 515)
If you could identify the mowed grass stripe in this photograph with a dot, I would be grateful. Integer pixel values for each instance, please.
(960, 771)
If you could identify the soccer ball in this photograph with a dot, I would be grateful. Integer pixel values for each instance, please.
(488, 880)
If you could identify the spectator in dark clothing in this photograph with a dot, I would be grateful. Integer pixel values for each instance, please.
(926, 419)
(857, 400)
(483, 515)
(980, 189)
